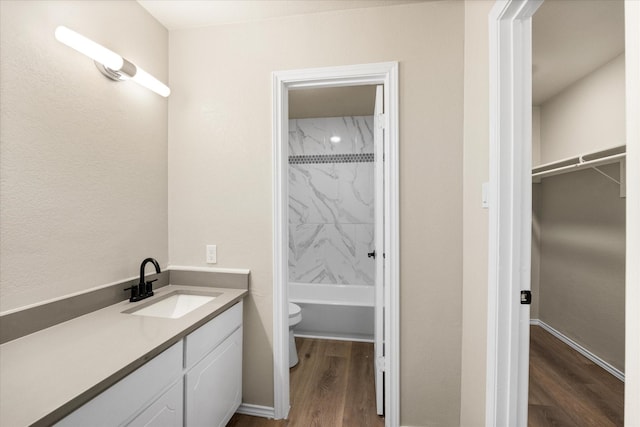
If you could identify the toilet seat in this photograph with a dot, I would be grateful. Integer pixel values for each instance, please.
(295, 314)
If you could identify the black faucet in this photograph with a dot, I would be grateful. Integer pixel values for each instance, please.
(144, 289)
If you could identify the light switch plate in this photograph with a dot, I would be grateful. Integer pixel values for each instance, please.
(212, 254)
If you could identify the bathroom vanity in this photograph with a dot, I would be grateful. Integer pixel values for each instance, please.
(116, 367)
(203, 370)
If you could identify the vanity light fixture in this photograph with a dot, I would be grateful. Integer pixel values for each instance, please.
(110, 63)
(335, 139)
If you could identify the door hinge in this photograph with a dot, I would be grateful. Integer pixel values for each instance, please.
(380, 364)
(381, 121)
(525, 297)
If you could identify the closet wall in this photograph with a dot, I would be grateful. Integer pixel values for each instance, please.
(536, 192)
(578, 255)
(587, 116)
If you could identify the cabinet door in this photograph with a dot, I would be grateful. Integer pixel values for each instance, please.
(118, 403)
(213, 386)
(209, 336)
(164, 412)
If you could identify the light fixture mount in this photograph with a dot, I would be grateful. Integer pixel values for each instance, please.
(127, 71)
(109, 73)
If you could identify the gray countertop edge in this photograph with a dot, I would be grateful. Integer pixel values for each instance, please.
(20, 322)
(86, 395)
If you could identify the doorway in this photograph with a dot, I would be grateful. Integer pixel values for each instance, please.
(510, 216)
(335, 224)
(578, 244)
(385, 76)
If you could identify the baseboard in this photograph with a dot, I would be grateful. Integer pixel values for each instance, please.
(580, 349)
(256, 410)
(334, 337)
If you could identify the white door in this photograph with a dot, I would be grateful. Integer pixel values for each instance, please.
(378, 143)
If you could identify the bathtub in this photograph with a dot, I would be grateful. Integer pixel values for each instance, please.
(341, 312)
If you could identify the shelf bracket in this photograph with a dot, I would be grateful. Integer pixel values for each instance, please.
(595, 168)
(622, 183)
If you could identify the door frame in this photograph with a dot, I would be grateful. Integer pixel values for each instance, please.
(632, 291)
(386, 74)
(379, 238)
(507, 379)
(510, 210)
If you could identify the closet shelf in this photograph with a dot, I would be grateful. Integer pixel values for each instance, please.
(587, 160)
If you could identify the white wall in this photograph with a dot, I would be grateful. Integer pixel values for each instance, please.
(83, 160)
(536, 240)
(535, 136)
(572, 123)
(582, 260)
(581, 219)
(220, 172)
(475, 218)
(535, 218)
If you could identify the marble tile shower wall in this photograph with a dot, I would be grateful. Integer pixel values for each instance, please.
(331, 200)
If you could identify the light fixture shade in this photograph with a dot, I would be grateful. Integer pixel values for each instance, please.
(89, 48)
(147, 80)
(110, 63)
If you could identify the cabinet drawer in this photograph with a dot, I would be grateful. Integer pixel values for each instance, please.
(208, 336)
(122, 400)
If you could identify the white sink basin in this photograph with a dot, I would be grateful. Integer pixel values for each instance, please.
(173, 305)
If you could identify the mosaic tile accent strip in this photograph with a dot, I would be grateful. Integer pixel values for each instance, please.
(332, 158)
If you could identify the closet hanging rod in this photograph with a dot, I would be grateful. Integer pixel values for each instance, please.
(581, 163)
(592, 155)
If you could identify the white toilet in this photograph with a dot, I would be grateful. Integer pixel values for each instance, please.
(295, 316)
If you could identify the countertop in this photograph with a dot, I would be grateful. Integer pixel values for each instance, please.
(46, 375)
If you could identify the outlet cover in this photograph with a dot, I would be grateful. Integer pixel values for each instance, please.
(212, 254)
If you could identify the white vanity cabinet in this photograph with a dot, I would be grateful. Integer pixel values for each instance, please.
(164, 412)
(213, 379)
(196, 382)
(117, 404)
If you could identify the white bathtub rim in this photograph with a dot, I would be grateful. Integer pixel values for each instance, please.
(330, 294)
(326, 302)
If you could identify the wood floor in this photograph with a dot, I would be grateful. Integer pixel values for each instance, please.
(332, 386)
(568, 390)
